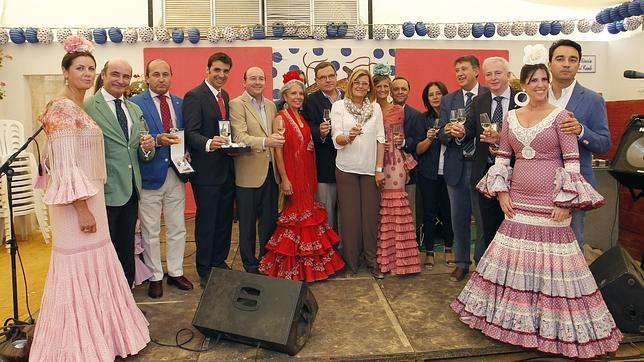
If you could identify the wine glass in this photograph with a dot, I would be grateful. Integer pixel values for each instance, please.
(144, 131)
(326, 117)
(453, 115)
(224, 130)
(460, 116)
(279, 126)
(486, 123)
(436, 124)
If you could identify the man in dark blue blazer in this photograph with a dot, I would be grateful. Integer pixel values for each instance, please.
(589, 121)
(163, 189)
(495, 104)
(213, 183)
(458, 161)
(313, 111)
(400, 93)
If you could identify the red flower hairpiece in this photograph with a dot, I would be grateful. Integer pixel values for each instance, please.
(291, 75)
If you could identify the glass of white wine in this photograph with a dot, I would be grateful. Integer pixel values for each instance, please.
(326, 117)
(453, 115)
(486, 123)
(461, 116)
(144, 131)
(225, 130)
(279, 126)
(436, 124)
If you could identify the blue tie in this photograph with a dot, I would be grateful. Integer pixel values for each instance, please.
(120, 116)
(468, 148)
(497, 116)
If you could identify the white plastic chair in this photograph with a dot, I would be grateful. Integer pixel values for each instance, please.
(26, 199)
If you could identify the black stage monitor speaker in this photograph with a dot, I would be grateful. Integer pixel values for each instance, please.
(253, 309)
(621, 283)
(628, 162)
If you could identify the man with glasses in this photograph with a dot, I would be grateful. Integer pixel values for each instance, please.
(314, 110)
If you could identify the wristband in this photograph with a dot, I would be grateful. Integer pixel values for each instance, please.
(380, 169)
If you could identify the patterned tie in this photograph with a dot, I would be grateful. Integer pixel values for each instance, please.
(120, 116)
(222, 107)
(166, 117)
(497, 116)
(468, 148)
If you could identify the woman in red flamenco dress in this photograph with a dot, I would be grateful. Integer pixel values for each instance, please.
(302, 246)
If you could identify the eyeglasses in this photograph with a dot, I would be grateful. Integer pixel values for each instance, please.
(361, 84)
(327, 77)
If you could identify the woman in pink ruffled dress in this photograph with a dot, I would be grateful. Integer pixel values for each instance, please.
(88, 312)
(532, 288)
(397, 248)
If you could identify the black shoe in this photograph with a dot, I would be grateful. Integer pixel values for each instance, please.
(252, 270)
(223, 265)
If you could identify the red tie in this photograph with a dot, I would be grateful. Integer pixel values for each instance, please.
(222, 107)
(166, 117)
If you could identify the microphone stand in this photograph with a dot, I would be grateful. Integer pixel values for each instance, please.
(7, 170)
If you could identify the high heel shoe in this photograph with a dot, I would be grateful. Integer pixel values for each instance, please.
(449, 257)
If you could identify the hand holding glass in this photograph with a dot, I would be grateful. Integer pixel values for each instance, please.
(486, 123)
(143, 132)
(461, 116)
(326, 117)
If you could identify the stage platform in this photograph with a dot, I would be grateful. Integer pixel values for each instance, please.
(400, 318)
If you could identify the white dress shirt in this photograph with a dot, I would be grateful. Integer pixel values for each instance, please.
(562, 102)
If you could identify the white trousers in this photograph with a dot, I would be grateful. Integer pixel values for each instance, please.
(171, 198)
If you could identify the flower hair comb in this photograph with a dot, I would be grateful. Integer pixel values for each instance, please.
(381, 69)
(291, 75)
(78, 44)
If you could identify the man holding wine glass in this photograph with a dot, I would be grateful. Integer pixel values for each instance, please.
(316, 110)
(484, 123)
(251, 117)
(458, 160)
(163, 186)
(121, 122)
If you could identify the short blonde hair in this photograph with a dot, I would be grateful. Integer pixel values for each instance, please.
(502, 61)
(371, 94)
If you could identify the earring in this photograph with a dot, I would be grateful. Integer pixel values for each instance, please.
(520, 95)
(66, 82)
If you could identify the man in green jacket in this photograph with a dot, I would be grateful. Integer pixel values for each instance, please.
(125, 142)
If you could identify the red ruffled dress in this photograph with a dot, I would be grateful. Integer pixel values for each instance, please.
(302, 246)
(397, 246)
(532, 287)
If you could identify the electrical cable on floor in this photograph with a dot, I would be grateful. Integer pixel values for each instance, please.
(257, 350)
(181, 345)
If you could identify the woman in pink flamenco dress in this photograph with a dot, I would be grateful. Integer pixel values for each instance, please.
(302, 246)
(88, 312)
(397, 247)
(532, 288)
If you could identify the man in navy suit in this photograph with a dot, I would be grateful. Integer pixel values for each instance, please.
(588, 120)
(162, 187)
(458, 161)
(400, 93)
(213, 183)
(495, 104)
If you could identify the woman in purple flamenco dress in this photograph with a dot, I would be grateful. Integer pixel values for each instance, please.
(532, 288)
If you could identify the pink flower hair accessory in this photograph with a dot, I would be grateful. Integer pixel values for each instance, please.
(78, 44)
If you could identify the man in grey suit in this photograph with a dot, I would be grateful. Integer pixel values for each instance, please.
(588, 121)
(121, 122)
(458, 160)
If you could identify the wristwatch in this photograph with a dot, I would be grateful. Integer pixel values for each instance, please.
(380, 169)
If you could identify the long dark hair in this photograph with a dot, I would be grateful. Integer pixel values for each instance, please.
(441, 86)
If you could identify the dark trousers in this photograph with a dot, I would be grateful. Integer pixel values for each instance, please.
(492, 216)
(252, 204)
(121, 221)
(213, 224)
(359, 200)
(435, 208)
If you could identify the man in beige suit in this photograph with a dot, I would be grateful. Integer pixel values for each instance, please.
(251, 118)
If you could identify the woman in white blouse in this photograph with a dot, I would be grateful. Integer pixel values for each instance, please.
(359, 136)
